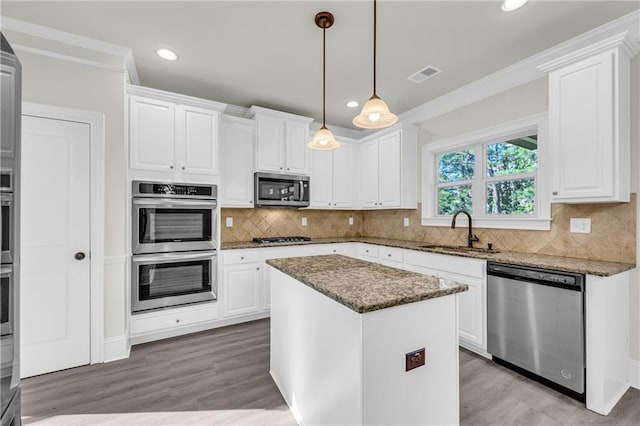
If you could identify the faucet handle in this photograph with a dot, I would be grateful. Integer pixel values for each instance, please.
(475, 238)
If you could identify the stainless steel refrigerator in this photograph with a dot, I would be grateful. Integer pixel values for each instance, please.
(10, 128)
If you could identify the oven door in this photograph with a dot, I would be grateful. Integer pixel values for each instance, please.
(170, 279)
(7, 227)
(168, 225)
(6, 300)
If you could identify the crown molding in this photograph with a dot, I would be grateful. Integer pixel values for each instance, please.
(236, 111)
(133, 89)
(69, 58)
(64, 37)
(526, 70)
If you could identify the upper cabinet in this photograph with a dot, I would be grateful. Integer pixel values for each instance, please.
(236, 174)
(389, 169)
(589, 124)
(173, 136)
(281, 141)
(332, 178)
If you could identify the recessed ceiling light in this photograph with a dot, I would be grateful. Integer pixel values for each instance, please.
(167, 54)
(352, 104)
(511, 5)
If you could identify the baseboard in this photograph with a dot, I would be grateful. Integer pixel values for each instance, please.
(116, 348)
(473, 348)
(634, 373)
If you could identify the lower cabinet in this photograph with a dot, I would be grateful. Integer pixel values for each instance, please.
(241, 289)
(471, 323)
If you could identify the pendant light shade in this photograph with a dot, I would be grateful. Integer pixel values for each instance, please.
(375, 113)
(323, 139)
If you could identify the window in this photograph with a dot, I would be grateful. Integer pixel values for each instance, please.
(493, 175)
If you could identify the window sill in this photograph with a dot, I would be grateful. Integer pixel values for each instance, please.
(493, 223)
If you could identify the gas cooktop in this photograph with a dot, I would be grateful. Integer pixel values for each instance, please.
(294, 239)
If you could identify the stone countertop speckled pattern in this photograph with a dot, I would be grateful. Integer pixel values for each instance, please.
(364, 286)
(567, 264)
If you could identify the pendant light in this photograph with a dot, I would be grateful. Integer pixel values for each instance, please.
(323, 138)
(375, 113)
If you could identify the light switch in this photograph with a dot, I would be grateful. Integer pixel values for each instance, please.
(580, 225)
(406, 221)
(304, 221)
(350, 220)
(229, 222)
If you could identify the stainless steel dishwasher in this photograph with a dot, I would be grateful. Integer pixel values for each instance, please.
(535, 324)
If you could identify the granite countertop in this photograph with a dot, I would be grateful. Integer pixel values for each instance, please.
(559, 263)
(364, 286)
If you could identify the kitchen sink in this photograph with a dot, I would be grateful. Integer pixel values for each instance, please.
(459, 249)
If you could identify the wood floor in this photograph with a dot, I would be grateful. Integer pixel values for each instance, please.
(221, 377)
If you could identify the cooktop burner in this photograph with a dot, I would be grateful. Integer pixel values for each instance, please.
(294, 239)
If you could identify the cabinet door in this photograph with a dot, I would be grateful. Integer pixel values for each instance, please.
(342, 177)
(370, 175)
(197, 140)
(8, 90)
(389, 152)
(236, 186)
(241, 289)
(297, 152)
(321, 179)
(581, 117)
(470, 309)
(270, 144)
(152, 134)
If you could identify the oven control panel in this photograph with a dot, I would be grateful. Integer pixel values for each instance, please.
(177, 190)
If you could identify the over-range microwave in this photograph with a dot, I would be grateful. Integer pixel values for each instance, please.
(278, 190)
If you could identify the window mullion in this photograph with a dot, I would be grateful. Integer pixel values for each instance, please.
(477, 187)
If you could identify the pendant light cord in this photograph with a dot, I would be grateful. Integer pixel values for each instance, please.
(374, 46)
(324, 72)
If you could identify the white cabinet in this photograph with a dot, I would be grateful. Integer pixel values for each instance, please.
(173, 135)
(389, 169)
(281, 141)
(9, 87)
(391, 256)
(236, 177)
(368, 252)
(345, 249)
(240, 282)
(589, 125)
(332, 178)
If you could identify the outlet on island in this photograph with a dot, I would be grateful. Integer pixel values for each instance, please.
(414, 359)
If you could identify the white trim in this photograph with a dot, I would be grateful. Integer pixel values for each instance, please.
(254, 110)
(75, 59)
(524, 71)
(74, 40)
(96, 123)
(175, 98)
(116, 348)
(634, 373)
(506, 131)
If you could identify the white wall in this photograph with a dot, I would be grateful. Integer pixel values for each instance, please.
(68, 84)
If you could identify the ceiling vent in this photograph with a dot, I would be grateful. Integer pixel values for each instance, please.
(423, 74)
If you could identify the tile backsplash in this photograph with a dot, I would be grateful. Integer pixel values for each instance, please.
(612, 237)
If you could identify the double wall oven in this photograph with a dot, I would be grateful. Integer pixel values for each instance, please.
(174, 244)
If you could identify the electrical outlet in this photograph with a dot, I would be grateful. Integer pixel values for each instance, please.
(229, 222)
(405, 222)
(350, 220)
(580, 225)
(414, 359)
(304, 221)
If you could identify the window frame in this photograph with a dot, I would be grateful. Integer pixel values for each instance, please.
(478, 140)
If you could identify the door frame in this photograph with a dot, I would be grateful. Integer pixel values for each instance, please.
(95, 120)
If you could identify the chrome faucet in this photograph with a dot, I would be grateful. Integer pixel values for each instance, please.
(471, 238)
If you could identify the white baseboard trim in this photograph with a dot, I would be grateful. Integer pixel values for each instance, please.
(116, 348)
(634, 373)
(194, 328)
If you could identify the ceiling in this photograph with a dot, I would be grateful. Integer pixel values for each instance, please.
(269, 53)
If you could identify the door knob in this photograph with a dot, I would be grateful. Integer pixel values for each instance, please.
(79, 255)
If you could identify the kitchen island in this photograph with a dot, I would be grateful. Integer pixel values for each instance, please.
(344, 333)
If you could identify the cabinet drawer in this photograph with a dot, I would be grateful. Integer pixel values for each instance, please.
(445, 263)
(346, 249)
(232, 257)
(172, 318)
(391, 254)
(367, 251)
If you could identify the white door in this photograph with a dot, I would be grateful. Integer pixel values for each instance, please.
(151, 134)
(342, 173)
(236, 146)
(54, 301)
(241, 289)
(197, 140)
(297, 152)
(321, 179)
(370, 175)
(270, 144)
(389, 153)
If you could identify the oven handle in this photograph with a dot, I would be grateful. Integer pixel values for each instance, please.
(6, 271)
(172, 256)
(7, 199)
(172, 203)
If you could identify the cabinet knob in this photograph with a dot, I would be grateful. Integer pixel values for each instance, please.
(555, 192)
(250, 201)
(287, 168)
(171, 167)
(334, 204)
(389, 255)
(258, 268)
(241, 257)
(328, 204)
(280, 168)
(183, 168)
(177, 320)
